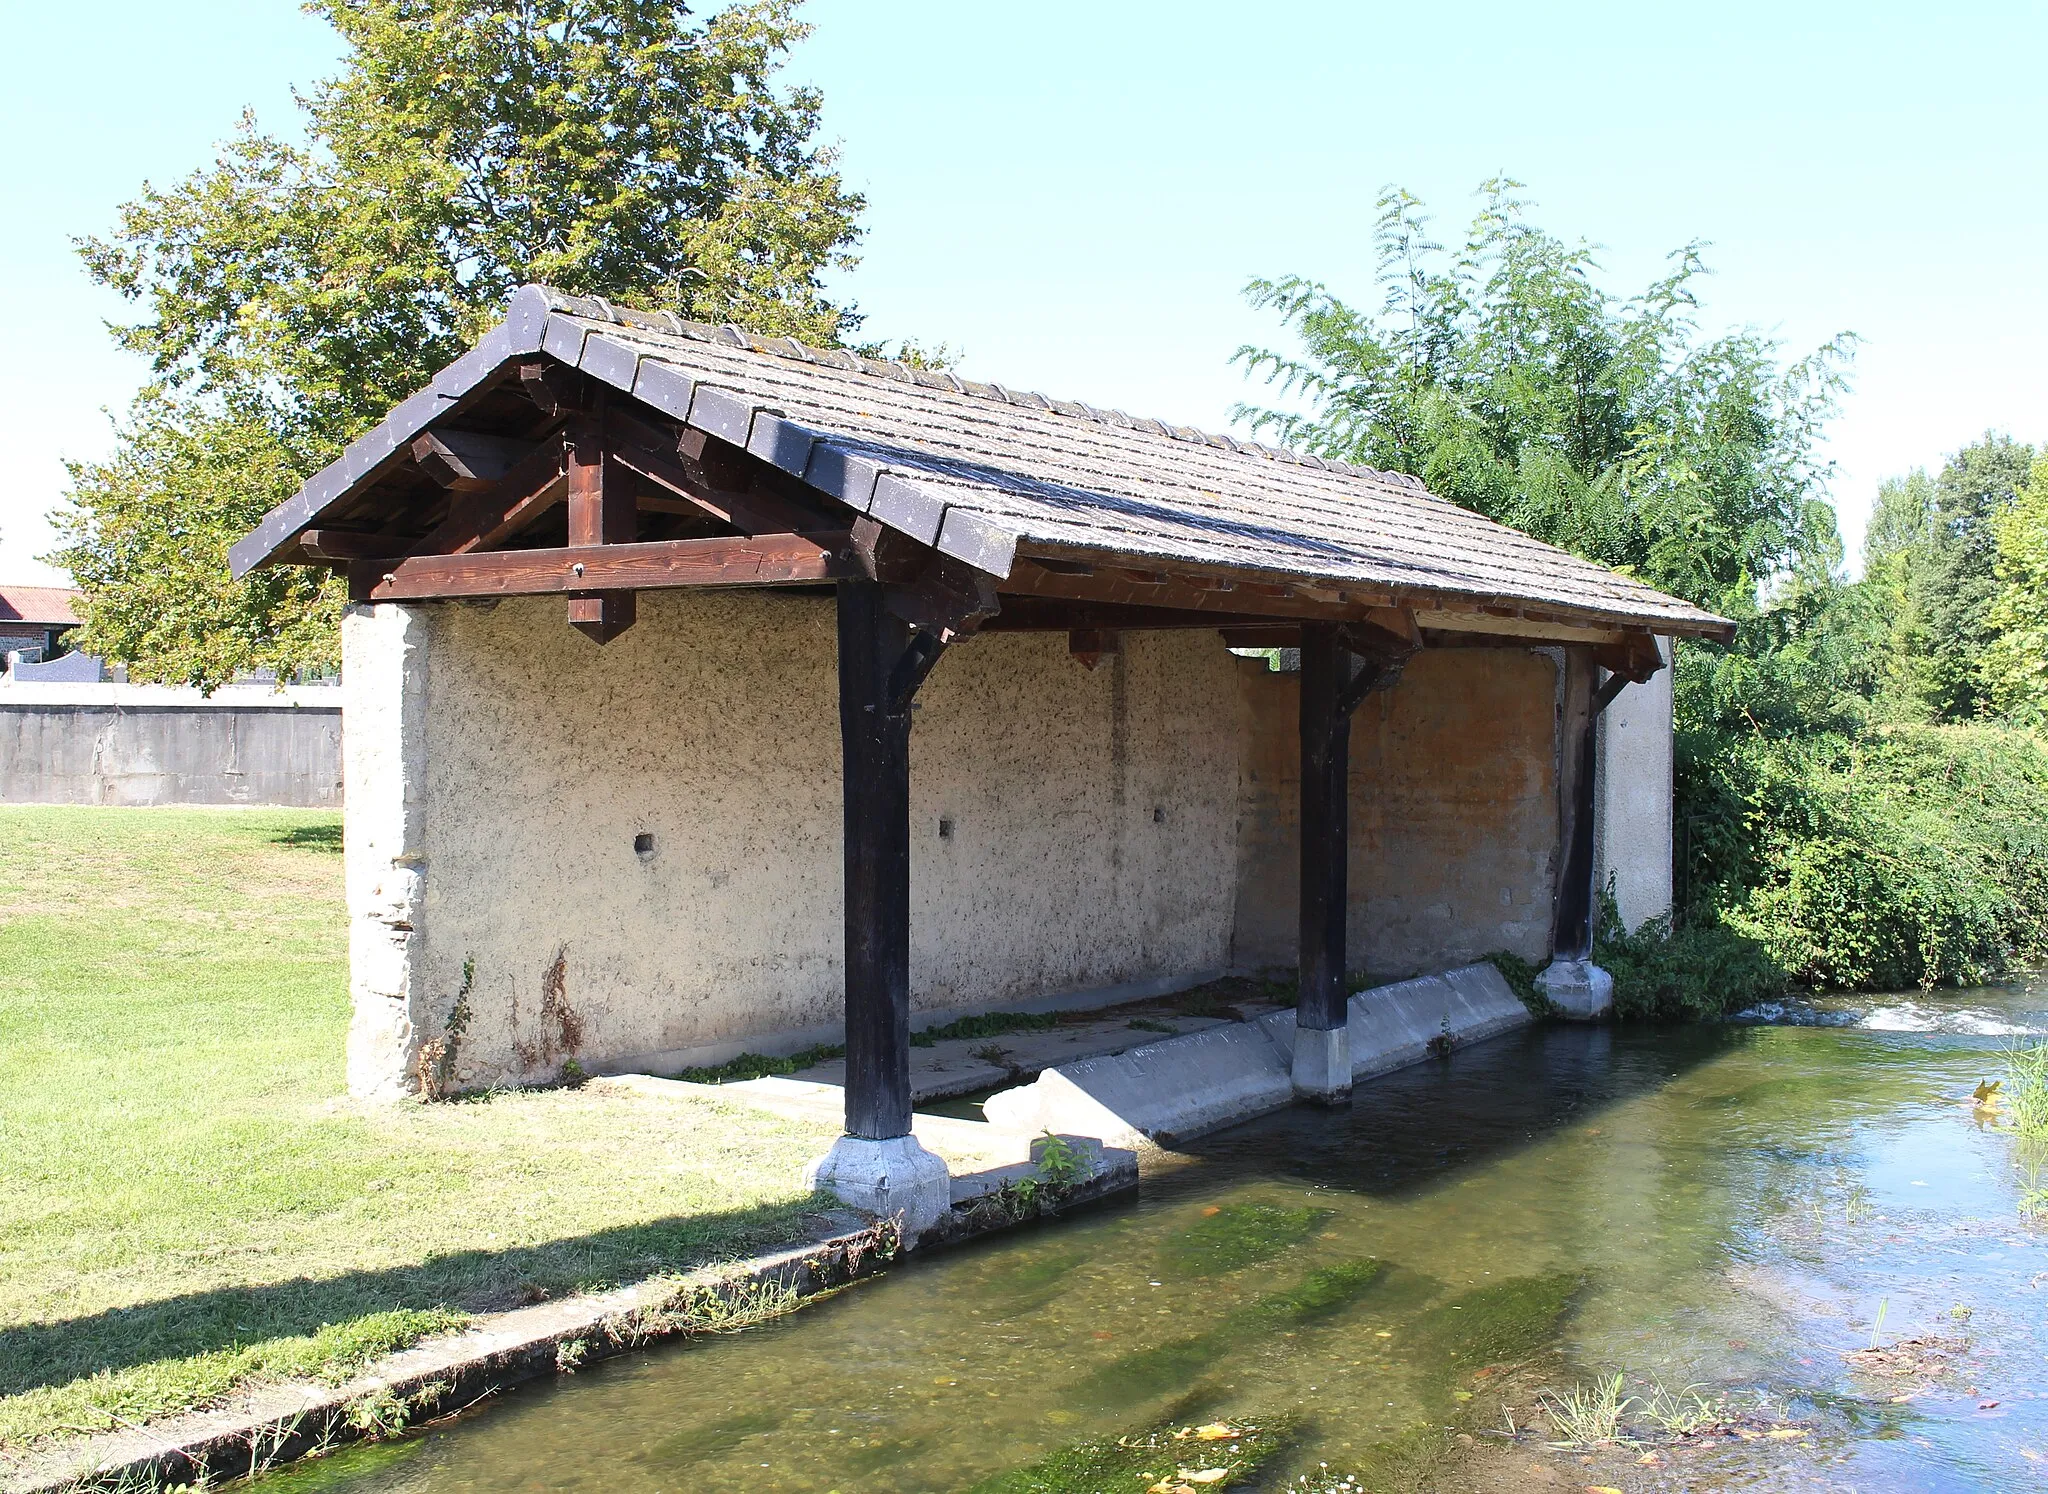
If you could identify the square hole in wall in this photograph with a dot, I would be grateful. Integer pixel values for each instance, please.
(643, 843)
(945, 827)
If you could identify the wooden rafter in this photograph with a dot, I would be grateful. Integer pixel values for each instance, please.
(1197, 594)
(487, 518)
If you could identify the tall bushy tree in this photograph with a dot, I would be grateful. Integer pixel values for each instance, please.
(1508, 379)
(1932, 551)
(292, 292)
(2015, 665)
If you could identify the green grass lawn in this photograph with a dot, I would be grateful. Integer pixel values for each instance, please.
(188, 1198)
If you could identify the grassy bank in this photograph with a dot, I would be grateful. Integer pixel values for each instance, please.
(190, 1201)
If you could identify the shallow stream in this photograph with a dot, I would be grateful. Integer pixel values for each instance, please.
(1732, 1208)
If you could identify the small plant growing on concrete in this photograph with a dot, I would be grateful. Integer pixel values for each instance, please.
(384, 1413)
(1060, 1164)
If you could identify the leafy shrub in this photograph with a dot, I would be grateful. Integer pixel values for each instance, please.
(1872, 858)
(1703, 970)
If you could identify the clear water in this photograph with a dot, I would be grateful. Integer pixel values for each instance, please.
(1730, 1207)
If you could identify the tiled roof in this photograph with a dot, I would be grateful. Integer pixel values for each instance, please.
(981, 470)
(49, 606)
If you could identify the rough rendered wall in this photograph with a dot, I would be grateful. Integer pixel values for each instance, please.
(1454, 818)
(1632, 803)
(1090, 815)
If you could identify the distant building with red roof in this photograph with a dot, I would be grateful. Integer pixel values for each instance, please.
(36, 617)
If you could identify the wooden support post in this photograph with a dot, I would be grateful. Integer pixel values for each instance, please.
(1572, 930)
(1322, 1062)
(875, 736)
(601, 512)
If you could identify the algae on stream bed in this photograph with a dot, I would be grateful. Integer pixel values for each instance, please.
(1714, 1207)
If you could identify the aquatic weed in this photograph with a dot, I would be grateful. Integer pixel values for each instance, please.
(1240, 1234)
(1682, 1413)
(1144, 1373)
(1215, 1456)
(1587, 1415)
(1502, 1323)
(2025, 1090)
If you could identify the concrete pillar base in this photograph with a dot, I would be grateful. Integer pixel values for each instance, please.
(1322, 1065)
(1578, 988)
(897, 1176)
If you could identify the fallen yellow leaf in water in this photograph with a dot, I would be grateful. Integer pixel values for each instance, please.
(1789, 1433)
(1649, 1460)
(1602, 1489)
(1206, 1475)
(1216, 1431)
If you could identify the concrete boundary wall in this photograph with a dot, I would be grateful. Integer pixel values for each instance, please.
(152, 745)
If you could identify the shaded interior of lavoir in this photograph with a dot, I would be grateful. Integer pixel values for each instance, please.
(1383, 1292)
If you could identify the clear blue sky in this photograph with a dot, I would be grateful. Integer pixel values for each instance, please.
(1076, 193)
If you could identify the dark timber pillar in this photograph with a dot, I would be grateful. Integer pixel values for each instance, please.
(602, 511)
(1574, 984)
(878, 1165)
(875, 739)
(1322, 1047)
(1572, 927)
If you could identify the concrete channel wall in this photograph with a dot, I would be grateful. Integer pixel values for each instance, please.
(152, 745)
(1183, 1087)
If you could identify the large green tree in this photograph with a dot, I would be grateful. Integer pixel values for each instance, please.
(1932, 551)
(294, 290)
(2015, 666)
(1504, 374)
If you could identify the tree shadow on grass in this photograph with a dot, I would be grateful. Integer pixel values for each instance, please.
(34, 1355)
(310, 838)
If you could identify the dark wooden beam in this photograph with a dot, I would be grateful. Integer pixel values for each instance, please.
(1260, 635)
(741, 506)
(1325, 825)
(885, 554)
(1578, 760)
(556, 390)
(1053, 615)
(765, 560)
(485, 519)
(875, 741)
(601, 513)
(1636, 658)
(1157, 589)
(343, 545)
(1090, 646)
(466, 460)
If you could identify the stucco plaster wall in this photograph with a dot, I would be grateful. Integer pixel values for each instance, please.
(1091, 817)
(1454, 814)
(1632, 803)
